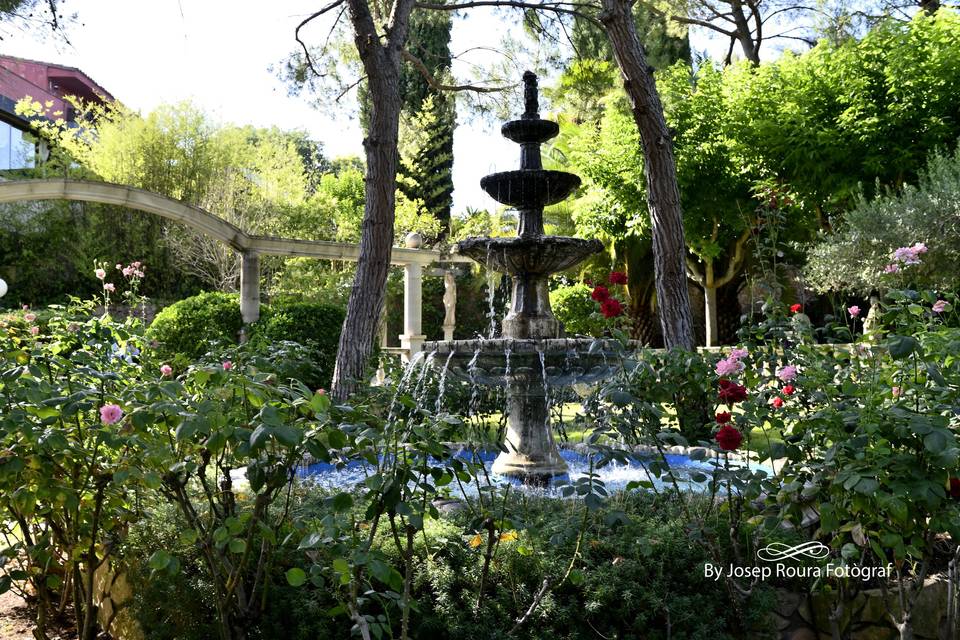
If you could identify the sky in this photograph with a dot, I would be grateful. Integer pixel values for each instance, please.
(218, 54)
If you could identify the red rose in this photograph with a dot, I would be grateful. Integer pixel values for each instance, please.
(600, 293)
(777, 402)
(728, 438)
(795, 308)
(611, 308)
(731, 392)
(955, 488)
(618, 277)
(724, 417)
(788, 390)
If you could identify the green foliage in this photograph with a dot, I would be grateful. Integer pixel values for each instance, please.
(313, 324)
(309, 279)
(187, 329)
(853, 257)
(47, 250)
(841, 116)
(576, 310)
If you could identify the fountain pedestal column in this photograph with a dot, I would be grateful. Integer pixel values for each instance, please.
(531, 451)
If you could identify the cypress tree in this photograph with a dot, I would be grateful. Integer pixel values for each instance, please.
(426, 134)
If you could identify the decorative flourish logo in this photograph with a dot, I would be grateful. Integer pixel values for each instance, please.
(777, 551)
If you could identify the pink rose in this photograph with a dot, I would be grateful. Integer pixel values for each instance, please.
(100, 273)
(891, 268)
(108, 286)
(787, 373)
(227, 365)
(854, 311)
(777, 402)
(736, 354)
(110, 413)
(896, 391)
(321, 392)
(166, 370)
(29, 317)
(729, 367)
(34, 330)
(939, 306)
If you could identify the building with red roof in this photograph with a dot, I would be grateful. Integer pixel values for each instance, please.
(47, 83)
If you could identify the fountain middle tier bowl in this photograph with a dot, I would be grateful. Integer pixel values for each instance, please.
(527, 363)
(529, 188)
(541, 255)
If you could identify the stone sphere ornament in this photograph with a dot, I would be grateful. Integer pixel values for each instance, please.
(3, 288)
(413, 240)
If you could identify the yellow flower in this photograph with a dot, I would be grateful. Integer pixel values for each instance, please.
(507, 536)
(476, 541)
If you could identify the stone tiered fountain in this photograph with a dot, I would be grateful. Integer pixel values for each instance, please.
(533, 354)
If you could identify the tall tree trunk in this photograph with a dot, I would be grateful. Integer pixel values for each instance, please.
(663, 195)
(381, 63)
(711, 325)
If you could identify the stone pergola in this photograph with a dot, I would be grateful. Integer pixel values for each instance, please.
(251, 247)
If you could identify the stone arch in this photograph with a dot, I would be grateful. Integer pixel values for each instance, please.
(126, 196)
(249, 246)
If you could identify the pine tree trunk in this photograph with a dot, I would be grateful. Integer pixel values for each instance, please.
(663, 195)
(381, 63)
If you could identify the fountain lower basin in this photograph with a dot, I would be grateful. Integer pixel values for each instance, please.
(615, 476)
(527, 368)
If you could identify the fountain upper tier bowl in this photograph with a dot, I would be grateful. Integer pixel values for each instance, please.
(530, 130)
(507, 361)
(540, 255)
(529, 188)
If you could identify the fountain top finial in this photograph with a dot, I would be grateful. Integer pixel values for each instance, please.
(531, 99)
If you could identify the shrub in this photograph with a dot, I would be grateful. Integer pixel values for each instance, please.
(574, 308)
(188, 327)
(854, 257)
(312, 324)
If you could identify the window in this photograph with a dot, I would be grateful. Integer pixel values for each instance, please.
(17, 149)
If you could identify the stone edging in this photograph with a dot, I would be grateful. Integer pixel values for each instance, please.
(646, 449)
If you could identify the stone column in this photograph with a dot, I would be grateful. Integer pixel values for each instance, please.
(249, 290)
(449, 304)
(412, 338)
